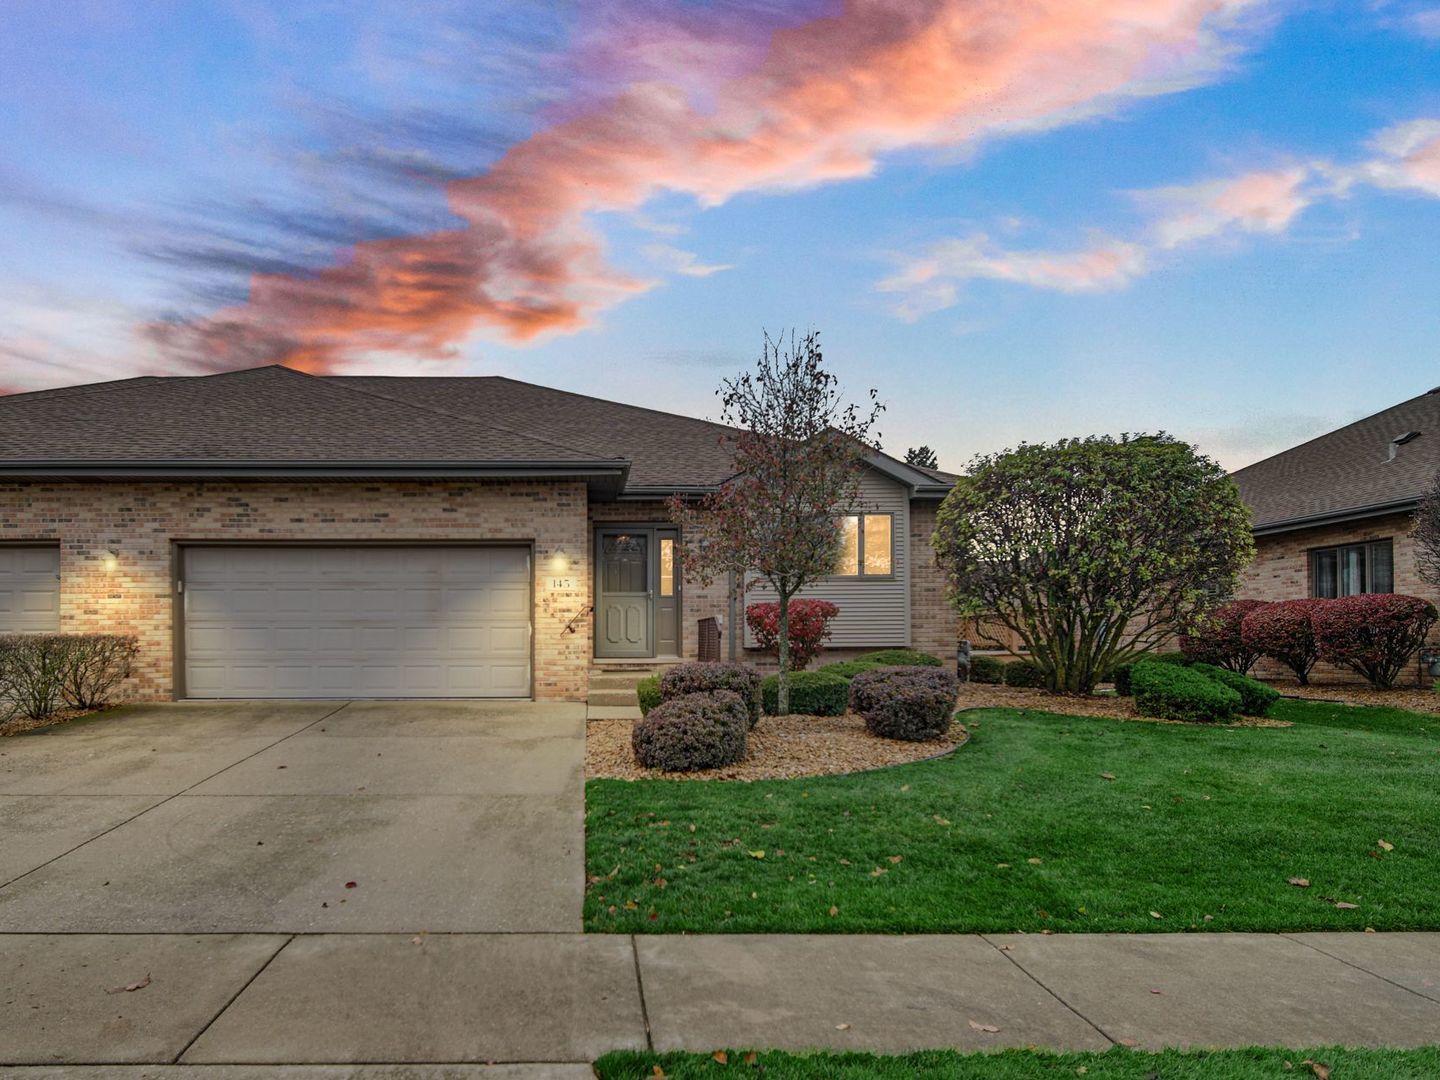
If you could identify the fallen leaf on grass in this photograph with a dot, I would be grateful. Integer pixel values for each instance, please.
(991, 1028)
(1384, 846)
(1343, 906)
(1107, 776)
(1033, 862)
(752, 1058)
(1319, 1068)
(897, 859)
(757, 854)
(1299, 882)
(1155, 915)
(834, 911)
(720, 1057)
(658, 1073)
(130, 988)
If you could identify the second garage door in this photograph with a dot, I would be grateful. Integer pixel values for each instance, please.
(356, 621)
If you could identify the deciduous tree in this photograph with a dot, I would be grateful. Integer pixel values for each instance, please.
(797, 452)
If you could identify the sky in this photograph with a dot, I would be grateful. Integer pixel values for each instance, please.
(1018, 222)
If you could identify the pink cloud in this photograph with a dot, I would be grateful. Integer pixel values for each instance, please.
(820, 102)
(1256, 202)
(1408, 157)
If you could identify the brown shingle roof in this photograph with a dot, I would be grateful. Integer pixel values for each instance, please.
(263, 415)
(1348, 472)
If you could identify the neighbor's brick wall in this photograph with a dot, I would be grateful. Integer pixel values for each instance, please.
(139, 520)
(934, 626)
(1281, 571)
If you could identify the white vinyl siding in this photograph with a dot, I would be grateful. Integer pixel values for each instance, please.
(319, 621)
(874, 611)
(29, 589)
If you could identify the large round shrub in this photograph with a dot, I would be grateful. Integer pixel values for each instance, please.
(1255, 697)
(699, 678)
(910, 703)
(1215, 637)
(1178, 692)
(1374, 635)
(812, 693)
(900, 658)
(1282, 631)
(692, 731)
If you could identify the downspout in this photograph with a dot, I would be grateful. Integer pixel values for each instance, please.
(730, 617)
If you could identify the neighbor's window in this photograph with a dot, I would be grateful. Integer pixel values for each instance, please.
(1351, 569)
(867, 546)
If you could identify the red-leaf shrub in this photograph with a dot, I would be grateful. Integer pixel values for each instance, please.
(1282, 631)
(1374, 634)
(697, 677)
(809, 628)
(1215, 637)
(693, 731)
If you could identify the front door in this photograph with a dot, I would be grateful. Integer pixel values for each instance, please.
(637, 587)
(625, 599)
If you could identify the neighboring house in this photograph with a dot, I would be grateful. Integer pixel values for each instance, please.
(1332, 517)
(268, 533)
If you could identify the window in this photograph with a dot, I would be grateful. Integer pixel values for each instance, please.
(867, 546)
(667, 566)
(1352, 569)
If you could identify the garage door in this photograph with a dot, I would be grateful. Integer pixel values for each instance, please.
(29, 589)
(356, 622)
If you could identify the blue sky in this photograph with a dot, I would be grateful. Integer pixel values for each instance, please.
(1216, 217)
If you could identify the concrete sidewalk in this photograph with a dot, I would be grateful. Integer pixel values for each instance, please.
(216, 1002)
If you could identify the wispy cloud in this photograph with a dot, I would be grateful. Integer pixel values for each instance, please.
(1405, 156)
(791, 106)
(679, 261)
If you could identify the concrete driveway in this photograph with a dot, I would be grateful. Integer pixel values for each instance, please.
(256, 817)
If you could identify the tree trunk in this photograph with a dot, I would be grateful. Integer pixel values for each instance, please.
(782, 704)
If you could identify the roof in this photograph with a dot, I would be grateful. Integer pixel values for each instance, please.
(1348, 473)
(274, 420)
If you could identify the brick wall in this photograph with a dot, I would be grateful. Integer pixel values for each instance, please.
(138, 521)
(1281, 571)
(934, 626)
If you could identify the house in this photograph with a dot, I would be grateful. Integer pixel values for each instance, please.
(268, 533)
(1333, 516)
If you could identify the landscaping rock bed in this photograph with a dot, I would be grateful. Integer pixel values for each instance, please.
(780, 747)
(1409, 698)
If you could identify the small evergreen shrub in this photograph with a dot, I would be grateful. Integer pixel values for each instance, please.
(915, 704)
(698, 678)
(812, 693)
(648, 691)
(1374, 634)
(901, 658)
(692, 731)
(1255, 697)
(1216, 637)
(1024, 673)
(848, 669)
(1120, 674)
(809, 628)
(1284, 632)
(1179, 692)
(987, 670)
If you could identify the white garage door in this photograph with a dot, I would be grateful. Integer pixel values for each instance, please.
(29, 589)
(357, 622)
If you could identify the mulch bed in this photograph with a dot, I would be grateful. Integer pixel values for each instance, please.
(18, 725)
(1408, 698)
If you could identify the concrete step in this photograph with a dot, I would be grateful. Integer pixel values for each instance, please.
(612, 697)
(613, 712)
(617, 680)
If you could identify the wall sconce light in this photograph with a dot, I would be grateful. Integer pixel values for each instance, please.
(559, 560)
(109, 559)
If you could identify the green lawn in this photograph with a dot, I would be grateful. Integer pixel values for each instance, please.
(1027, 1064)
(1022, 830)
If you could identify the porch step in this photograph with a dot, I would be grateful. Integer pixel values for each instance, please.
(612, 697)
(616, 680)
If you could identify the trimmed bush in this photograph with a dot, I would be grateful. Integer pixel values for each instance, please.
(1177, 692)
(1374, 635)
(1255, 697)
(809, 628)
(1120, 674)
(692, 731)
(1283, 632)
(1024, 673)
(987, 670)
(648, 691)
(901, 658)
(40, 672)
(848, 669)
(812, 693)
(915, 704)
(699, 678)
(1216, 639)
